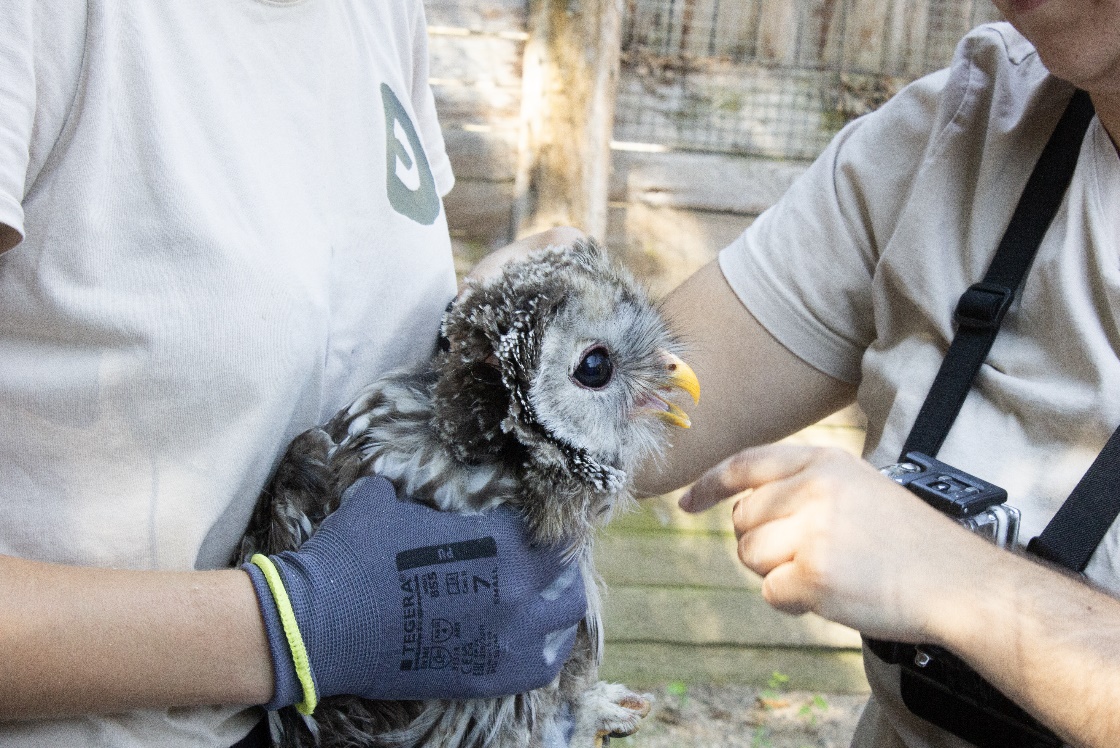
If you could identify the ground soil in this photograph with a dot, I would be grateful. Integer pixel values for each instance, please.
(709, 716)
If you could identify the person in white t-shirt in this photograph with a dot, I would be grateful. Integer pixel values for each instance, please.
(218, 221)
(844, 291)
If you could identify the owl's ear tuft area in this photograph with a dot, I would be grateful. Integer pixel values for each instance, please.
(588, 251)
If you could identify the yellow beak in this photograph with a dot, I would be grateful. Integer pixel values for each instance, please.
(681, 377)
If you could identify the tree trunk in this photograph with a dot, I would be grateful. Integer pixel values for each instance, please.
(569, 78)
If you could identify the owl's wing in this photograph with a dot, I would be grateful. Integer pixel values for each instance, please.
(295, 500)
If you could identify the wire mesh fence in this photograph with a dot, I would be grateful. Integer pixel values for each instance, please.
(774, 78)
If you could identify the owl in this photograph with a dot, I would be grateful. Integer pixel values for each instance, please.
(552, 384)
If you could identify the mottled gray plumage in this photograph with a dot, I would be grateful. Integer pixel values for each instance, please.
(504, 415)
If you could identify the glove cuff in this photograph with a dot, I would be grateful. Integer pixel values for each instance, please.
(290, 664)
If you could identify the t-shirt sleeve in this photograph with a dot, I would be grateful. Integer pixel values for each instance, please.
(17, 107)
(424, 104)
(804, 268)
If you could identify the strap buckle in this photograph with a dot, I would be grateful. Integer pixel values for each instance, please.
(983, 306)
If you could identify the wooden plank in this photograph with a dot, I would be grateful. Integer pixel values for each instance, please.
(781, 81)
(663, 246)
(701, 28)
(949, 22)
(644, 665)
(492, 16)
(478, 211)
(476, 80)
(673, 559)
(476, 58)
(906, 32)
(660, 513)
(787, 32)
(702, 181)
(883, 35)
(735, 29)
(461, 104)
(648, 26)
(889, 37)
(864, 33)
(686, 615)
(486, 153)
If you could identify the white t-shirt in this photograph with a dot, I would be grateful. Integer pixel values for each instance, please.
(232, 222)
(857, 270)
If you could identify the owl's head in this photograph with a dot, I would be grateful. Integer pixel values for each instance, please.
(562, 366)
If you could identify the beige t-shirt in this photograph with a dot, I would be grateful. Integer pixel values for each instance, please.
(232, 222)
(857, 270)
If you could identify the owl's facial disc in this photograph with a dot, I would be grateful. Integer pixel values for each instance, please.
(681, 377)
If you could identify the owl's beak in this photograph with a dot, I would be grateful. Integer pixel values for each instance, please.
(682, 377)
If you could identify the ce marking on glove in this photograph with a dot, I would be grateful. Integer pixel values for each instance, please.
(439, 604)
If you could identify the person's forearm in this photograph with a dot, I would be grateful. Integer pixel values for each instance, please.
(9, 237)
(1046, 639)
(76, 640)
(753, 389)
(491, 265)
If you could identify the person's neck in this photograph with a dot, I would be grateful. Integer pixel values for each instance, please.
(1108, 112)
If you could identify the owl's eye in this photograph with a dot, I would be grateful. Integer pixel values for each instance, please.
(595, 369)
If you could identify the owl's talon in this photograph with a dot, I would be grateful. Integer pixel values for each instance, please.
(614, 710)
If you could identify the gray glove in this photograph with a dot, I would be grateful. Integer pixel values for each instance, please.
(394, 600)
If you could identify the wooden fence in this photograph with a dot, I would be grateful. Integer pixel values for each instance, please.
(892, 37)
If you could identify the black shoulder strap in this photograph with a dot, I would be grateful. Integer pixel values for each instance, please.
(979, 314)
(981, 308)
(1082, 521)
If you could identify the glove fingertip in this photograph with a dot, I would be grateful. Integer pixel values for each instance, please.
(375, 488)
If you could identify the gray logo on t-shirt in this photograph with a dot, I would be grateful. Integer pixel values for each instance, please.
(411, 187)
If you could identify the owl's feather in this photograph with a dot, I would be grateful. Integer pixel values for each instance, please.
(503, 415)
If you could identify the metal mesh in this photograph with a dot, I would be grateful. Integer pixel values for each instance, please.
(775, 78)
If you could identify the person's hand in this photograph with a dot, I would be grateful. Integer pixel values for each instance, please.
(394, 600)
(491, 265)
(831, 535)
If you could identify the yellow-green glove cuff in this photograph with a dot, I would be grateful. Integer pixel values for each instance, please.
(291, 631)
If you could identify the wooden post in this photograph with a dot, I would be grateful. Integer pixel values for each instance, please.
(570, 77)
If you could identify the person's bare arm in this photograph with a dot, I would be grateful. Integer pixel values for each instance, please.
(1047, 640)
(490, 265)
(753, 389)
(76, 640)
(9, 237)
(830, 535)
